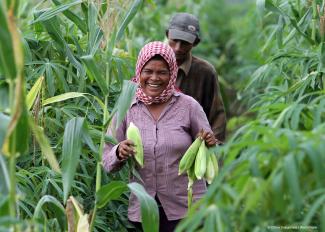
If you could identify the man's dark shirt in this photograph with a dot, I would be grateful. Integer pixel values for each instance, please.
(198, 78)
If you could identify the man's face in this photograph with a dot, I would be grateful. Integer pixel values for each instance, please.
(181, 49)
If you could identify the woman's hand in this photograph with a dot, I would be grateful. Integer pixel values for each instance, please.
(209, 138)
(125, 150)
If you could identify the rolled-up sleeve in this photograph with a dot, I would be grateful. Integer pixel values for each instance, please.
(110, 161)
(198, 119)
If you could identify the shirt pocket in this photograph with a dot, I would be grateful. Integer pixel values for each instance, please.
(180, 184)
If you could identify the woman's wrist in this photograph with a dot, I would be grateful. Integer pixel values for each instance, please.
(117, 153)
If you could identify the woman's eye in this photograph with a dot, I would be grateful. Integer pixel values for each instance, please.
(164, 73)
(146, 72)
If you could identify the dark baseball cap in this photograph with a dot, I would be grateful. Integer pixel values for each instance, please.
(184, 26)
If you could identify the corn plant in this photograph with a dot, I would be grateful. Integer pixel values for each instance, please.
(63, 66)
(271, 178)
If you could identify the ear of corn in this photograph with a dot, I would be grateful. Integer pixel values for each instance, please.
(215, 163)
(133, 134)
(189, 156)
(210, 172)
(201, 161)
(198, 161)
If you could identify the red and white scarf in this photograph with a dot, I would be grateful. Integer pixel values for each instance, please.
(147, 52)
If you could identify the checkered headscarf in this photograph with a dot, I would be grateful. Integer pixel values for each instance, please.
(147, 52)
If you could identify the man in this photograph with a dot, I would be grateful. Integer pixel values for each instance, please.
(196, 77)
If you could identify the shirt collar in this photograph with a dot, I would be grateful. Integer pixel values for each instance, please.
(175, 94)
(186, 65)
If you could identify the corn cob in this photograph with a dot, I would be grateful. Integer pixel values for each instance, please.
(201, 161)
(215, 163)
(133, 134)
(210, 172)
(189, 156)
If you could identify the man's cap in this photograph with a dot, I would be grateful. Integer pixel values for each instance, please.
(184, 26)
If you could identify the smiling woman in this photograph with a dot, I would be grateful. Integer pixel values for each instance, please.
(169, 122)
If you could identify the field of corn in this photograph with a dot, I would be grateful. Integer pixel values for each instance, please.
(64, 67)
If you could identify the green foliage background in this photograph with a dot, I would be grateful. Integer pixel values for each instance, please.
(270, 59)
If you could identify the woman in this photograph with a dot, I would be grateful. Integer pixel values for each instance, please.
(168, 121)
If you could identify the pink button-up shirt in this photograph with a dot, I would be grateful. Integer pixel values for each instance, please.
(164, 142)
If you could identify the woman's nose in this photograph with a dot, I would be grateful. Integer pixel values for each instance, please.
(155, 75)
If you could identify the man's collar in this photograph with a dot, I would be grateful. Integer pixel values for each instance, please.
(186, 65)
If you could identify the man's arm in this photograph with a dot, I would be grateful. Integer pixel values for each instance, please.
(216, 115)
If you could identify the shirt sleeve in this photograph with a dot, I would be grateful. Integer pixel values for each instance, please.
(198, 119)
(110, 161)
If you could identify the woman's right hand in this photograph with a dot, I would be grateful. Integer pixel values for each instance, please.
(125, 150)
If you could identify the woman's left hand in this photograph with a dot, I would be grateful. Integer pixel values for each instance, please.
(208, 137)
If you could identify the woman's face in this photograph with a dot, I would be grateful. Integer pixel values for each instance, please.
(154, 77)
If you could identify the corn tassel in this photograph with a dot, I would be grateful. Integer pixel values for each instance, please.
(133, 134)
(189, 156)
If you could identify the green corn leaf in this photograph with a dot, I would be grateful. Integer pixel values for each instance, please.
(292, 177)
(95, 33)
(295, 118)
(149, 208)
(62, 97)
(314, 209)
(49, 14)
(260, 7)
(124, 101)
(71, 95)
(71, 57)
(33, 92)
(316, 161)
(296, 29)
(279, 31)
(129, 16)
(17, 137)
(220, 226)
(111, 191)
(97, 134)
(277, 191)
(7, 59)
(47, 199)
(50, 79)
(52, 27)
(73, 17)
(210, 223)
(94, 73)
(322, 219)
(71, 150)
(45, 146)
(4, 177)
(191, 223)
(5, 120)
(281, 117)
